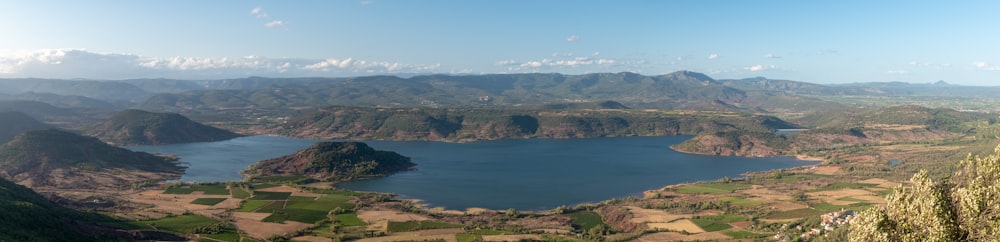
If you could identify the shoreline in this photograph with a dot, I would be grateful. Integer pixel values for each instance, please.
(797, 157)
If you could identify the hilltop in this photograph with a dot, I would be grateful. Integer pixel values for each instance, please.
(481, 124)
(333, 161)
(15, 123)
(905, 123)
(137, 127)
(59, 159)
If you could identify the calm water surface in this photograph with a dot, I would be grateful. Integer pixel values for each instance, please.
(529, 174)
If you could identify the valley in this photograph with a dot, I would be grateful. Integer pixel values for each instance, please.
(862, 139)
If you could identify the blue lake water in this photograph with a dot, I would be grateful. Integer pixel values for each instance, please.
(531, 174)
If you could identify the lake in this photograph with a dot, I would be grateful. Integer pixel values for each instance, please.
(532, 174)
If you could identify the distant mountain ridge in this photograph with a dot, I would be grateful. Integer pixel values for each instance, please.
(677, 90)
(137, 127)
(454, 124)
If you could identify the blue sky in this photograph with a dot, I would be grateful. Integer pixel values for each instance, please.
(812, 41)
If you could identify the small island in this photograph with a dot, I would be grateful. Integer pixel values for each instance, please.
(333, 161)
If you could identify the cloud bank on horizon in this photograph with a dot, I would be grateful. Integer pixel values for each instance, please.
(811, 42)
(80, 63)
(77, 63)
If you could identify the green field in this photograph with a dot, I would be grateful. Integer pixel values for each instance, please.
(585, 220)
(207, 188)
(239, 193)
(251, 205)
(208, 201)
(711, 188)
(183, 224)
(349, 219)
(264, 185)
(270, 195)
(346, 193)
(178, 190)
(419, 225)
(276, 217)
(212, 188)
(300, 198)
(337, 198)
(716, 222)
(271, 207)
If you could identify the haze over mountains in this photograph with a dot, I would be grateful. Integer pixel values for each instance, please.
(680, 89)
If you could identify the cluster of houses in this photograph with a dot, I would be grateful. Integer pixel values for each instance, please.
(831, 221)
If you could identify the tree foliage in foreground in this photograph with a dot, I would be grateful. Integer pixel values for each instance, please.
(962, 208)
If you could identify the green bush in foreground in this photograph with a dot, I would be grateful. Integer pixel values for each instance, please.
(962, 208)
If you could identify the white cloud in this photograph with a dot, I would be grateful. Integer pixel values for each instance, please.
(897, 72)
(596, 53)
(275, 24)
(258, 12)
(506, 63)
(982, 65)
(771, 56)
(365, 2)
(565, 62)
(74, 63)
(573, 38)
(713, 56)
(758, 67)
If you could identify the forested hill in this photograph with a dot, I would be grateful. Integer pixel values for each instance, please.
(137, 127)
(335, 161)
(487, 124)
(678, 89)
(28, 216)
(892, 124)
(15, 123)
(60, 159)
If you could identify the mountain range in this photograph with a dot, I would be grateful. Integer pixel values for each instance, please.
(677, 90)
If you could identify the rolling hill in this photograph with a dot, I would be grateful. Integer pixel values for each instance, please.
(59, 159)
(137, 127)
(15, 123)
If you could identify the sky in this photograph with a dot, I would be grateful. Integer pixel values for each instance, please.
(811, 41)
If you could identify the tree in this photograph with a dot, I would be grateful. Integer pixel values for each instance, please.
(962, 208)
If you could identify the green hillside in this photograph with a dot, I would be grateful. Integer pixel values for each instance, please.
(137, 127)
(28, 216)
(480, 124)
(54, 158)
